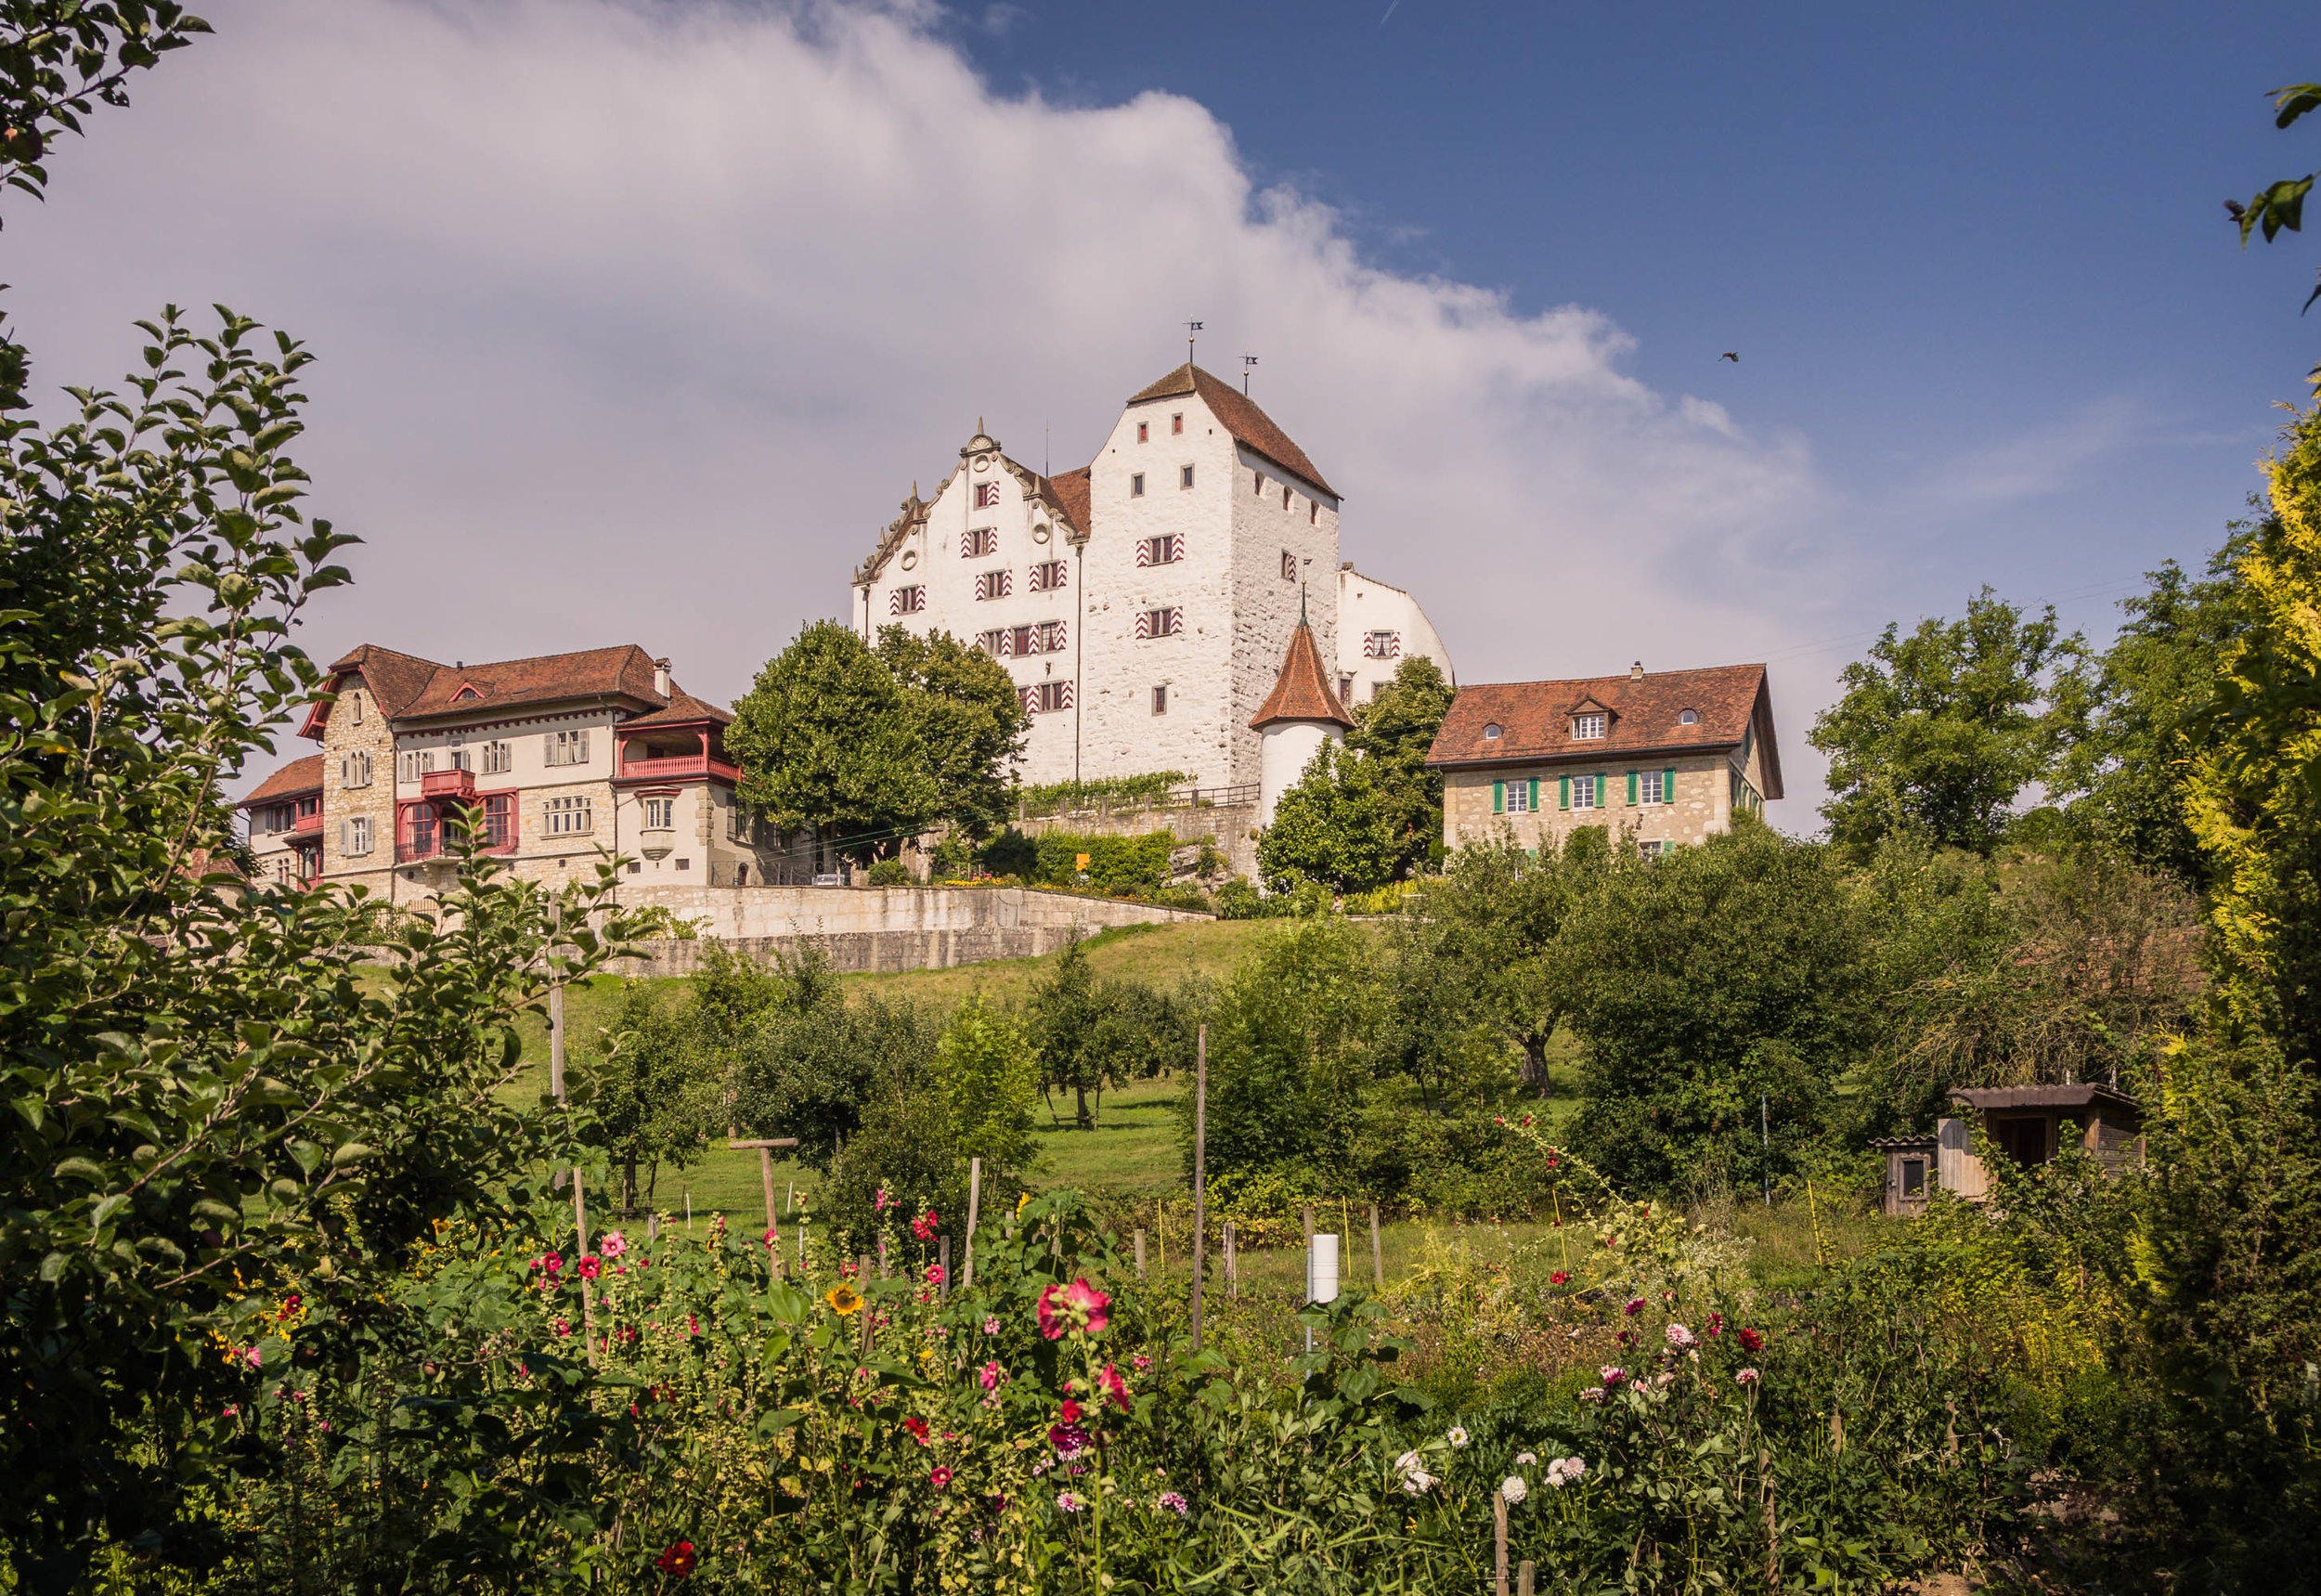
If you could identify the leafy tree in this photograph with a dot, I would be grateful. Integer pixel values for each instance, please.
(652, 1100)
(829, 742)
(810, 1064)
(968, 723)
(1698, 981)
(987, 1070)
(1092, 1036)
(2281, 204)
(1395, 732)
(1331, 827)
(1940, 731)
(2154, 686)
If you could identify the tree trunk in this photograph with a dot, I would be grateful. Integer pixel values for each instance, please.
(629, 1185)
(1536, 1080)
(1079, 1092)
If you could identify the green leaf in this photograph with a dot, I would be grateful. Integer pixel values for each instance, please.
(81, 1169)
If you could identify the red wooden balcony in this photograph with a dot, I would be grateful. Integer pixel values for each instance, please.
(428, 835)
(448, 784)
(677, 767)
(307, 824)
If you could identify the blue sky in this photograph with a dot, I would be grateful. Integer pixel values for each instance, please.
(1976, 253)
(636, 319)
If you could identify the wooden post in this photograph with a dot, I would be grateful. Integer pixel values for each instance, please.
(1309, 1251)
(588, 1298)
(557, 1037)
(1526, 1576)
(1140, 1253)
(1499, 1543)
(975, 1202)
(1377, 1252)
(863, 1273)
(1200, 1184)
(1232, 1263)
(1160, 1236)
(653, 1227)
(943, 1256)
(765, 1178)
(882, 1257)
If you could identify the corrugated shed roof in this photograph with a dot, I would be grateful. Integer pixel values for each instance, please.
(1251, 426)
(1302, 691)
(301, 776)
(1983, 1097)
(684, 710)
(1642, 715)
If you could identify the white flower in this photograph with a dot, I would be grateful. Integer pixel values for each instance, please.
(1526, 1459)
(1417, 1482)
(1565, 1471)
(1409, 1463)
(1457, 1437)
(1747, 1377)
(1513, 1489)
(1593, 1394)
(1678, 1336)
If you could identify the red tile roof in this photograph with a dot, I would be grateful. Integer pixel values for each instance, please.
(1302, 691)
(1251, 427)
(408, 687)
(684, 710)
(1534, 718)
(1068, 492)
(301, 776)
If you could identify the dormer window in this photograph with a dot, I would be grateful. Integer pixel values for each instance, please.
(1493, 731)
(1688, 718)
(1586, 728)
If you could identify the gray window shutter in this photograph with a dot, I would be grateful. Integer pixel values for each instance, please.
(548, 747)
(580, 753)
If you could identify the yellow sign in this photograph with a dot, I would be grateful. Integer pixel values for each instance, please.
(1083, 861)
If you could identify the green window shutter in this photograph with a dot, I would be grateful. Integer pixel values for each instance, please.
(1668, 785)
(1498, 797)
(1535, 794)
(1631, 789)
(1564, 792)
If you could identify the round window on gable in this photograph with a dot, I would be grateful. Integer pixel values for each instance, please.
(1689, 718)
(1491, 729)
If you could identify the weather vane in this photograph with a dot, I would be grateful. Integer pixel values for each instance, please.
(1190, 328)
(1247, 361)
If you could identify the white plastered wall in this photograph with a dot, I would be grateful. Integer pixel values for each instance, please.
(1367, 605)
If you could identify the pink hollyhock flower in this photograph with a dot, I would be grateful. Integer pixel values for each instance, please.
(926, 1225)
(1114, 1387)
(1747, 1377)
(990, 1326)
(692, 1324)
(772, 1238)
(552, 1262)
(1752, 1340)
(883, 1200)
(1141, 1361)
(940, 1478)
(611, 1244)
(991, 1375)
(934, 1274)
(590, 1268)
(917, 1427)
(1069, 1411)
(250, 1355)
(1077, 1307)
(1552, 1161)
(232, 1408)
(564, 1327)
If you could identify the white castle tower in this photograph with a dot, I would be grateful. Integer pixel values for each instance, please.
(1298, 717)
(1142, 602)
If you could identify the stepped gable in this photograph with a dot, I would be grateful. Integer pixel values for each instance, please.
(1251, 426)
(1534, 718)
(684, 710)
(302, 775)
(1302, 691)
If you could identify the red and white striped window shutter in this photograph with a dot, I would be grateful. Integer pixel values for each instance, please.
(1161, 623)
(994, 584)
(986, 495)
(1382, 645)
(907, 601)
(977, 542)
(1165, 551)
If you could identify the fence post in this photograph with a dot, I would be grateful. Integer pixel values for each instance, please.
(587, 1300)
(1526, 1576)
(975, 1199)
(943, 1256)
(1232, 1262)
(1140, 1253)
(1378, 1253)
(1499, 1543)
(1200, 1185)
(1309, 1249)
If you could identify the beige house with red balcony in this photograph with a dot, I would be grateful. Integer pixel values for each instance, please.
(555, 760)
(1661, 759)
(285, 815)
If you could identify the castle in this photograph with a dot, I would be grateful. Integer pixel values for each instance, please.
(1144, 603)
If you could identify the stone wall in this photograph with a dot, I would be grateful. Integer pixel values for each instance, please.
(1229, 823)
(935, 925)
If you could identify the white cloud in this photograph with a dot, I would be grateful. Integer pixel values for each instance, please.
(2048, 458)
(635, 324)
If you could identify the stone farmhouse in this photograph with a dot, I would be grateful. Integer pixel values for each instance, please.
(1144, 603)
(563, 756)
(1663, 757)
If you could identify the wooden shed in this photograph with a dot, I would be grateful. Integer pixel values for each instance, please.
(1910, 1172)
(2031, 1125)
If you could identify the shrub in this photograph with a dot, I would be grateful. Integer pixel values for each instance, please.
(1237, 899)
(1012, 853)
(891, 873)
(1123, 864)
(1061, 797)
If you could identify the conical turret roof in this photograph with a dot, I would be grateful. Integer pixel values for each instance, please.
(1302, 691)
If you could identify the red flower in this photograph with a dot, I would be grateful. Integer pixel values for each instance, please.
(552, 1262)
(589, 1267)
(1553, 1161)
(934, 1274)
(917, 1427)
(1716, 1323)
(1558, 1277)
(1069, 1411)
(1752, 1340)
(1114, 1387)
(677, 1560)
(925, 1225)
(1077, 1307)
(940, 1478)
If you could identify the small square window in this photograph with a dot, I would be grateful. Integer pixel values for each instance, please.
(1184, 476)
(684, 864)
(1586, 728)
(1161, 700)
(1143, 431)
(1913, 1177)
(1176, 422)
(1136, 485)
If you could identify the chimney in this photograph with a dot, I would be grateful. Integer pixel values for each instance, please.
(1636, 671)
(660, 677)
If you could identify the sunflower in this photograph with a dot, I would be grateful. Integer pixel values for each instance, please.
(843, 1298)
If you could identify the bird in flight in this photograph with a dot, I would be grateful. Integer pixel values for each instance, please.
(1731, 356)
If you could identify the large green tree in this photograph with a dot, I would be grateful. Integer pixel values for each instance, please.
(1331, 827)
(1394, 731)
(866, 748)
(1940, 732)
